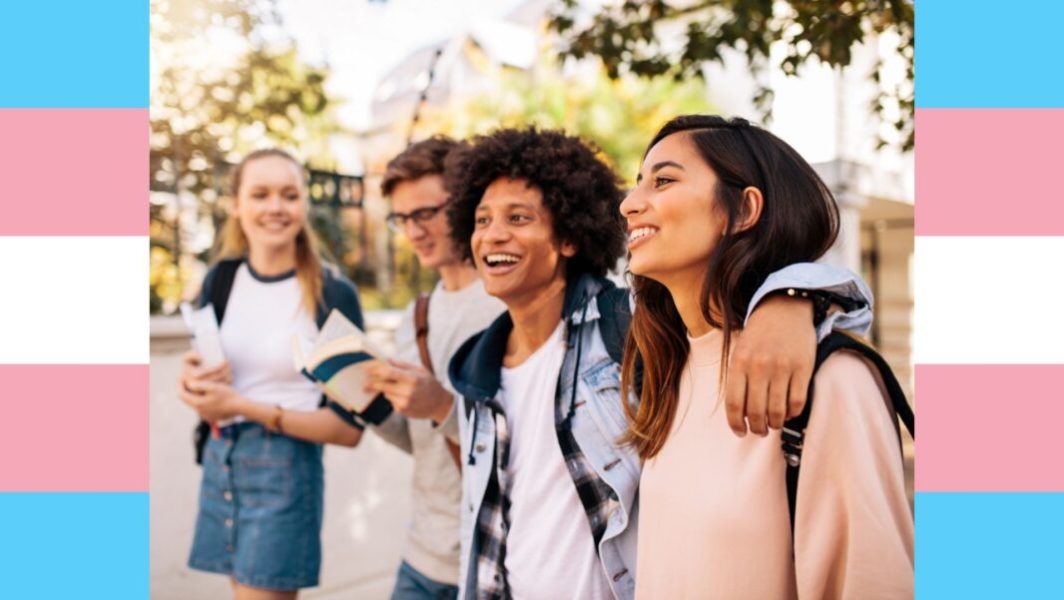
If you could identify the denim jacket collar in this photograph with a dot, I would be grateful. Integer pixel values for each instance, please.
(475, 370)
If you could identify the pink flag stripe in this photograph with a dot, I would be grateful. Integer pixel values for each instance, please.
(989, 171)
(990, 428)
(74, 428)
(74, 171)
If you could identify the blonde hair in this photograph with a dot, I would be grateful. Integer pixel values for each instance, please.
(232, 243)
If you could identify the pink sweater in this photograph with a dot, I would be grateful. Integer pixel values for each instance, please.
(713, 519)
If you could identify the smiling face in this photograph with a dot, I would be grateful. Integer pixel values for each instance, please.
(674, 221)
(431, 238)
(271, 203)
(513, 242)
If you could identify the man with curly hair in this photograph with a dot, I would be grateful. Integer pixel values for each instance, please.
(549, 506)
(424, 423)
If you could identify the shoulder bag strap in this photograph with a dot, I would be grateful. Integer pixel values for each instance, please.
(793, 434)
(421, 330)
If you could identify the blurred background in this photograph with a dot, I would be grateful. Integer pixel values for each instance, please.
(347, 84)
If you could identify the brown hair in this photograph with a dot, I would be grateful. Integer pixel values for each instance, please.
(234, 244)
(423, 158)
(799, 222)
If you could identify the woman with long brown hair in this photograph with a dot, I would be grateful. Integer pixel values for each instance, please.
(261, 499)
(719, 205)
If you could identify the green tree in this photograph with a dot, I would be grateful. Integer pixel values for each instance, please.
(618, 115)
(628, 36)
(209, 107)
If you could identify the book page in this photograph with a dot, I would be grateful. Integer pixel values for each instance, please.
(206, 337)
(337, 361)
(345, 387)
(338, 327)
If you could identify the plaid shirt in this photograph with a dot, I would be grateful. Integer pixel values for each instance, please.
(493, 521)
(597, 497)
(475, 372)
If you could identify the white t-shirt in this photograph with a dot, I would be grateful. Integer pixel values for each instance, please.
(454, 317)
(550, 553)
(260, 318)
(433, 543)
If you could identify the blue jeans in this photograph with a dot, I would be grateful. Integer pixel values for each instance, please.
(411, 585)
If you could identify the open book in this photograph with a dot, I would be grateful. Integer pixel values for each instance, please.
(205, 334)
(336, 361)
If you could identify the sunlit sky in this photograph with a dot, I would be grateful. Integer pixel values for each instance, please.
(362, 40)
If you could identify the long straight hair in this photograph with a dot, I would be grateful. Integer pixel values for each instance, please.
(234, 244)
(799, 222)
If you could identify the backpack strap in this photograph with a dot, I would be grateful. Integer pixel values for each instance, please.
(199, 439)
(221, 286)
(217, 288)
(615, 313)
(793, 434)
(421, 329)
(615, 318)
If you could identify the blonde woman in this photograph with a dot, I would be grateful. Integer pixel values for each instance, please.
(260, 507)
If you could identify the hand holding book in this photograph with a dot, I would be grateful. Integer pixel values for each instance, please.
(206, 362)
(412, 390)
(338, 361)
(206, 337)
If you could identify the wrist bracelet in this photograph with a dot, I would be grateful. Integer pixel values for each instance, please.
(275, 422)
(821, 304)
(822, 301)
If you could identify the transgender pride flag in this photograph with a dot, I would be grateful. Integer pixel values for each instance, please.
(989, 279)
(988, 270)
(74, 299)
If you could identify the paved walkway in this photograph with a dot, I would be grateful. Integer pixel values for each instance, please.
(366, 499)
(366, 503)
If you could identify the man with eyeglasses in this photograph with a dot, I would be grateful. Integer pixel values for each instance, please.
(424, 422)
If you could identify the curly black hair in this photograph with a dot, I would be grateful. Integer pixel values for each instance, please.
(582, 194)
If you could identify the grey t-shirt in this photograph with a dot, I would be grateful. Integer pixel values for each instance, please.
(432, 543)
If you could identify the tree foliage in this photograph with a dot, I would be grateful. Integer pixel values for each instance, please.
(619, 116)
(677, 37)
(225, 82)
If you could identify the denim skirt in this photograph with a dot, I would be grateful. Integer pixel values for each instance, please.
(260, 509)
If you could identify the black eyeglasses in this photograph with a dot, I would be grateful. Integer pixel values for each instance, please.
(397, 221)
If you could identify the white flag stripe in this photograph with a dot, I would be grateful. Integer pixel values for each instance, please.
(74, 300)
(989, 300)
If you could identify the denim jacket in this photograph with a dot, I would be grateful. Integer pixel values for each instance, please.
(597, 421)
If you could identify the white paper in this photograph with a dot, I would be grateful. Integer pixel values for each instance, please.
(206, 337)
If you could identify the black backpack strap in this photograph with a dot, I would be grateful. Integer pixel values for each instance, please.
(221, 285)
(615, 313)
(216, 289)
(199, 439)
(793, 434)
